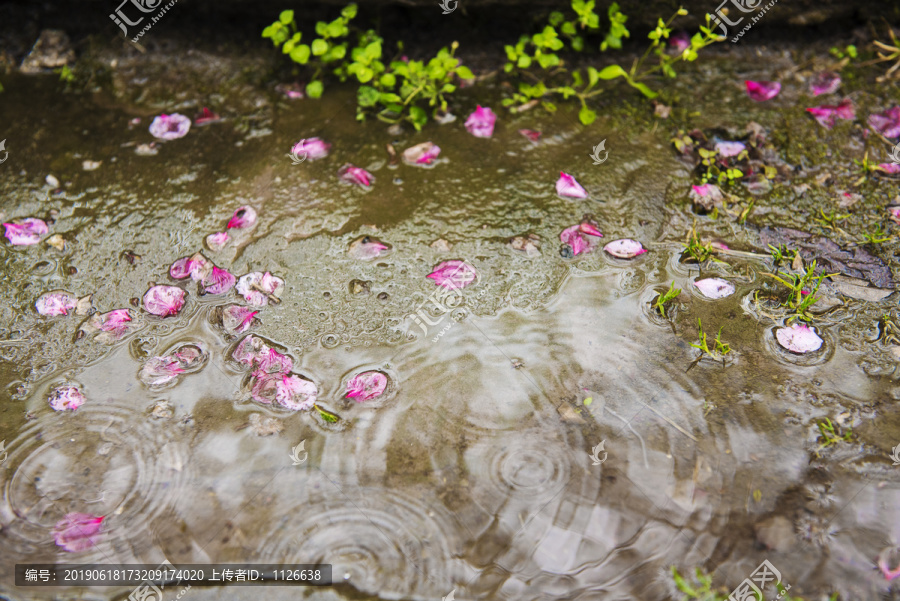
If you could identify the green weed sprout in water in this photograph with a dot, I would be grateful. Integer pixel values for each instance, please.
(803, 288)
(535, 60)
(701, 588)
(719, 350)
(696, 249)
(876, 236)
(830, 434)
(665, 298)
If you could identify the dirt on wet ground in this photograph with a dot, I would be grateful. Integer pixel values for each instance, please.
(553, 435)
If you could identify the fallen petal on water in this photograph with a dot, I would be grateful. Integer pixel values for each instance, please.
(532, 135)
(453, 274)
(356, 175)
(626, 248)
(311, 148)
(799, 338)
(243, 217)
(480, 123)
(77, 531)
(164, 300)
(158, 371)
(760, 91)
(25, 232)
(567, 186)
(237, 319)
(217, 241)
(170, 127)
(259, 288)
(295, 393)
(366, 386)
(218, 281)
(66, 398)
(57, 302)
(714, 287)
(421, 154)
(367, 248)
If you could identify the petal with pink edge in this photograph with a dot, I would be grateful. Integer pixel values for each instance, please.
(237, 319)
(824, 83)
(217, 241)
(626, 248)
(164, 300)
(66, 398)
(799, 338)
(295, 393)
(312, 148)
(25, 232)
(356, 175)
(367, 248)
(567, 187)
(366, 386)
(57, 302)
(170, 127)
(421, 155)
(886, 123)
(760, 91)
(259, 288)
(453, 274)
(243, 217)
(481, 122)
(159, 371)
(77, 531)
(218, 281)
(714, 288)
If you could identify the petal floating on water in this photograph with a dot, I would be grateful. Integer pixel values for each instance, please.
(799, 338)
(421, 154)
(356, 175)
(66, 398)
(77, 531)
(532, 135)
(259, 288)
(57, 302)
(170, 127)
(237, 319)
(243, 217)
(25, 232)
(714, 287)
(296, 393)
(760, 91)
(164, 300)
(567, 186)
(366, 386)
(367, 248)
(626, 248)
(453, 274)
(218, 281)
(481, 122)
(217, 241)
(158, 371)
(311, 148)
(206, 116)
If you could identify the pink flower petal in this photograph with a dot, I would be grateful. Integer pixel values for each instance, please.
(295, 393)
(827, 114)
(158, 371)
(581, 238)
(272, 362)
(66, 397)
(453, 274)
(217, 241)
(886, 123)
(218, 281)
(366, 386)
(164, 300)
(256, 288)
(311, 148)
(356, 175)
(367, 248)
(824, 83)
(58, 302)
(890, 168)
(206, 116)
(265, 387)
(760, 91)
(532, 135)
(799, 338)
(77, 531)
(883, 557)
(702, 191)
(626, 248)
(243, 217)
(237, 319)
(568, 187)
(421, 154)
(680, 41)
(730, 149)
(115, 321)
(481, 122)
(197, 267)
(25, 232)
(170, 127)
(714, 288)
(250, 350)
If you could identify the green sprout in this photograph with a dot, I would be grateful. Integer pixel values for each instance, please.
(696, 249)
(717, 353)
(848, 52)
(714, 172)
(803, 288)
(829, 220)
(780, 255)
(700, 590)
(666, 297)
(830, 434)
(877, 236)
(65, 74)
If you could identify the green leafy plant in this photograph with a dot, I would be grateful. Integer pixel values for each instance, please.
(719, 350)
(665, 298)
(65, 74)
(699, 590)
(829, 220)
(845, 52)
(876, 236)
(696, 249)
(542, 73)
(830, 434)
(780, 255)
(721, 174)
(328, 48)
(802, 289)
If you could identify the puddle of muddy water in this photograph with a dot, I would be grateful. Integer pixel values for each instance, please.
(478, 469)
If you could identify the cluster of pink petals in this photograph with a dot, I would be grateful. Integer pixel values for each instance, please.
(825, 82)
(55, 303)
(237, 319)
(272, 378)
(827, 114)
(206, 116)
(714, 288)
(730, 149)
(625, 248)
(532, 135)
(243, 217)
(453, 274)
(170, 127)
(356, 175)
(164, 300)
(760, 91)
(581, 238)
(219, 281)
(114, 322)
(217, 241)
(311, 148)
(66, 397)
(78, 531)
(680, 41)
(799, 338)
(257, 287)
(886, 123)
(421, 154)
(481, 122)
(367, 248)
(567, 187)
(197, 267)
(366, 386)
(25, 232)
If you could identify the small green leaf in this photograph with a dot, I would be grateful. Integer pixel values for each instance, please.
(593, 76)
(387, 80)
(337, 52)
(328, 416)
(286, 17)
(548, 60)
(314, 89)
(524, 62)
(321, 28)
(367, 96)
(611, 72)
(568, 28)
(587, 402)
(389, 98)
(464, 72)
(556, 18)
(335, 29)
(288, 46)
(300, 54)
(365, 75)
(586, 115)
(578, 43)
(349, 11)
(644, 89)
(319, 47)
(549, 106)
(418, 117)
